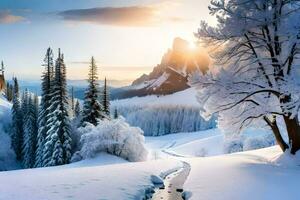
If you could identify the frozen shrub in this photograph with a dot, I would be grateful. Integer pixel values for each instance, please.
(233, 145)
(201, 152)
(252, 143)
(112, 136)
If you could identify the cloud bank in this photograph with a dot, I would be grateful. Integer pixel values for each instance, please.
(117, 16)
(7, 18)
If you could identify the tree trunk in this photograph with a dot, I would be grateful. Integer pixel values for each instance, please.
(292, 127)
(274, 127)
(293, 130)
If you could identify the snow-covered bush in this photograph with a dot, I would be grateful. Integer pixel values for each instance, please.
(252, 143)
(233, 145)
(159, 120)
(248, 142)
(112, 136)
(201, 152)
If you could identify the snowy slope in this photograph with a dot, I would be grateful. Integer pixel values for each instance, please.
(5, 106)
(7, 155)
(205, 143)
(248, 175)
(186, 144)
(186, 97)
(90, 180)
(157, 83)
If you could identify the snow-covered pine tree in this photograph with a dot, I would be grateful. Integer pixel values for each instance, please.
(72, 99)
(47, 79)
(17, 121)
(9, 91)
(116, 115)
(25, 105)
(92, 109)
(77, 110)
(105, 99)
(58, 141)
(30, 132)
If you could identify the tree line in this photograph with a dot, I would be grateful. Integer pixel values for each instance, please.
(42, 130)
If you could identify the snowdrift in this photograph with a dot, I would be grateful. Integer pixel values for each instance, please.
(88, 179)
(247, 175)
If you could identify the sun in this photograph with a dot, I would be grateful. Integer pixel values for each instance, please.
(192, 46)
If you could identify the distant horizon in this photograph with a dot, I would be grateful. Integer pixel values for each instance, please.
(111, 82)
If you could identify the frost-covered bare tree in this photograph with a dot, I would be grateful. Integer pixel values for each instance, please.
(256, 49)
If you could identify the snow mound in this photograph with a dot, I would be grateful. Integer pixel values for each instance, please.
(246, 175)
(156, 180)
(287, 160)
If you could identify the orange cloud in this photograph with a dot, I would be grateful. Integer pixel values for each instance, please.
(118, 16)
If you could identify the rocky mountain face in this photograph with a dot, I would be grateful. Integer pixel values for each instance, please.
(171, 75)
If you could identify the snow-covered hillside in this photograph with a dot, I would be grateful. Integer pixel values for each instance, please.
(210, 175)
(89, 179)
(185, 98)
(7, 155)
(248, 175)
(178, 112)
(221, 177)
(259, 174)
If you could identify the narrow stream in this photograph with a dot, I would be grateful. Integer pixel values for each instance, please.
(173, 185)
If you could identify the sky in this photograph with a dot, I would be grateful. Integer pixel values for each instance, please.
(126, 37)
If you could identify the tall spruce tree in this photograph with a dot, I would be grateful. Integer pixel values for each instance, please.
(25, 105)
(47, 79)
(30, 132)
(77, 110)
(72, 99)
(17, 121)
(9, 91)
(116, 114)
(58, 141)
(105, 99)
(92, 109)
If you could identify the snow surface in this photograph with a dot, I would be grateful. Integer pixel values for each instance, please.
(7, 155)
(89, 179)
(139, 86)
(260, 174)
(247, 175)
(160, 80)
(186, 97)
(186, 144)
